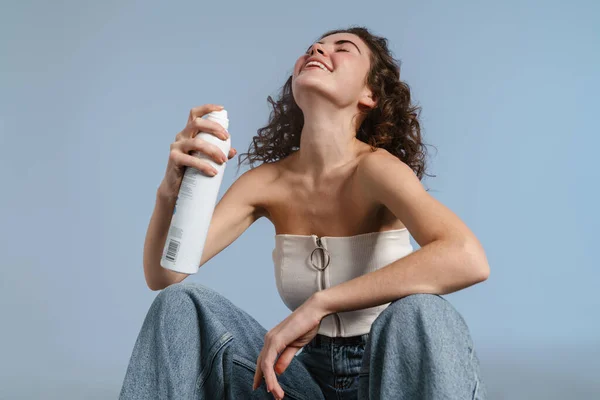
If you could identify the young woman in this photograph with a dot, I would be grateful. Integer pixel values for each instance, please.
(342, 159)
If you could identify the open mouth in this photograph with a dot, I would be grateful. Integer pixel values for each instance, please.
(316, 64)
(315, 67)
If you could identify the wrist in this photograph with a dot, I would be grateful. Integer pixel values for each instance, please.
(164, 194)
(318, 302)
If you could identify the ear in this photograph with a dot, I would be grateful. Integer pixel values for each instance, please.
(367, 99)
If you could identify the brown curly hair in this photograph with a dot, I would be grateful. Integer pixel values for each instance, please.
(393, 124)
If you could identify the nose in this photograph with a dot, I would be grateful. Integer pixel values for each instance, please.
(317, 47)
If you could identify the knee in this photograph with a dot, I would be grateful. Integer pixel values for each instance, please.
(422, 310)
(172, 293)
(177, 291)
(176, 297)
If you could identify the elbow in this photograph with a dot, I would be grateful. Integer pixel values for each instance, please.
(478, 261)
(484, 273)
(482, 267)
(159, 278)
(161, 285)
(154, 288)
(154, 284)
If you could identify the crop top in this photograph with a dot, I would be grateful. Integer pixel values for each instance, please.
(305, 264)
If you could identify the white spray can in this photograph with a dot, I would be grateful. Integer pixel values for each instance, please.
(194, 207)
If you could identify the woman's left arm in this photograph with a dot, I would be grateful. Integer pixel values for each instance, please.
(450, 258)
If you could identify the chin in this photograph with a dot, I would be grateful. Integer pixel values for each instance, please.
(313, 97)
(311, 90)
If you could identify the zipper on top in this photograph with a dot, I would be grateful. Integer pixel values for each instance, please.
(336, 318)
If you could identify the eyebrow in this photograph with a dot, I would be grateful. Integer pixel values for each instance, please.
(341, 41)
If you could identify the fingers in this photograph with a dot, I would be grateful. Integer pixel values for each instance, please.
(285, 358)
(232, 153)
(194, 162)
(264, 369)
(204, 147)
(196, 123)
(202, 110)
(257, 374)
(268, 372)
(204, 125)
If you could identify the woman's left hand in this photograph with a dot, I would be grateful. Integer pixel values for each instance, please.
(285, 340)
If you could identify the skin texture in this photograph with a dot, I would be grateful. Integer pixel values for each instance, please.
(330, 102)
(332, 162)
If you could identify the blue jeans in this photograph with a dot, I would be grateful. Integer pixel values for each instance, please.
(196, 344)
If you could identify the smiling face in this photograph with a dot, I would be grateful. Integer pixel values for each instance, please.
(345, 62)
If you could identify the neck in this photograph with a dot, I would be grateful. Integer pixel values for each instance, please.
(328, 141)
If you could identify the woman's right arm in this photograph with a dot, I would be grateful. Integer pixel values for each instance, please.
(156, 236)
(240, 207)
(180, 158)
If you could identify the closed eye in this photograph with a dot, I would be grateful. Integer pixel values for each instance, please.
(308, 51)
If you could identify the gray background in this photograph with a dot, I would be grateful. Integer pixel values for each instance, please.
(93, 93)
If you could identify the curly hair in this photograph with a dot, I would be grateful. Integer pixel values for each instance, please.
(393, 124)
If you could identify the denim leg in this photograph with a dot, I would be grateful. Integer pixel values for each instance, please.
(196, 344)
(420, 347)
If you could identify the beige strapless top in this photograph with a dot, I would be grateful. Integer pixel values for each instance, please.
(305, 264)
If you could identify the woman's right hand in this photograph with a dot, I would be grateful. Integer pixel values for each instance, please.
(186, 142)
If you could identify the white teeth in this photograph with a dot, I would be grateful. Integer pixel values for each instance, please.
(318, 64)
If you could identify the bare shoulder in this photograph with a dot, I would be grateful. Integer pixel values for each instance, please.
(380, 172)
(263, 175)
(391, 182)
(379, 161)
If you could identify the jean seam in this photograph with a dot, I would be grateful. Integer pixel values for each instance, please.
(471, 355)
(476, 388)
(226, 338)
